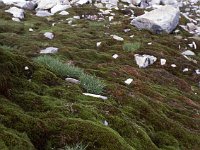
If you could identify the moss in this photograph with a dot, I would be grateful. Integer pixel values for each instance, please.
(40, 110)
(98, 137)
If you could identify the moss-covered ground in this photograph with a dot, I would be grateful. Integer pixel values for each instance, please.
(40, 110)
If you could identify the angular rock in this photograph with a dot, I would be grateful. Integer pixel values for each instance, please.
(43, 13)
(72, 80)
(188, 53)
(58, 8)
(49, 35)
(16, 12)
(144, 61)
(163, 19)
(64, 13)
(30, 5)
(49, 50)
(97, 96)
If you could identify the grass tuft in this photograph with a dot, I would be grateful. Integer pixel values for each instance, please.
(88, 82)
(130, 47)
(92, 84)
(59, 68)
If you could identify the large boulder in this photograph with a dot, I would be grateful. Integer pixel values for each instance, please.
(163, 19)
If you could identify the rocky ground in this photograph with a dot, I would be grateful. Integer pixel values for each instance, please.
(123, 88)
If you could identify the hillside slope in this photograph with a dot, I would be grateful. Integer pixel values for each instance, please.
(40, 110)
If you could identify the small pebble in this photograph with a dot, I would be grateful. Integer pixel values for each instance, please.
(128, 81)
(115, 56)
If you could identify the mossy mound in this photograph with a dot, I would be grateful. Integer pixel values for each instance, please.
(40, 110)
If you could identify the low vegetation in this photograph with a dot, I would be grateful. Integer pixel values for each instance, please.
(41, 111)
(131, 47)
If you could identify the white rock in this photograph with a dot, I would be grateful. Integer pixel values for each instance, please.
(16, 12)
(72, 80)
(64, 13)
(136, 2)
(170, 2)
(197, 71)
(30, 5)
(76, 17)
(81, 2)
(154, 2)
(48, 4)
(43, 13)
(16, 19)
(97, 96)
(144, 60)
(58, 8)
(188, 53)
(115, 56)
(163, 61)
(49, 50)
(191, 26)
(185, 70)
(194, 45)
(127, 30)
(12, 2)
(98, 44)
(110, 18)
(149, 43)
(128, 81)
(49, 35)
(173, 65)
(30, 30)
(117, 38)
(105, 123)
(26, 68)
(163, 19)
(131, 36)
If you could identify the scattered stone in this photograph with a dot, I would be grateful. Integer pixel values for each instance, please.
(128, 81)
(191, 26)
(16, 12)
(72, 80)
(163, 61)
(110, 18)
(117, 38)
(173, 65)
(163, 19)
(43, 13)
(188, 53)
(185, 70)
(49, 50)
(194, 45)
(30, 30)
(26, 68)
(64, 13)
(97, 96)
(105, 123)
(149, 43)
(127, 30)
(30, 5)
(131, 36)
(98, 44)
(49, 35)
(77, 17)
(16, 19)
(144, 61)
(115, 56)
(58, 8)
(197, 71)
